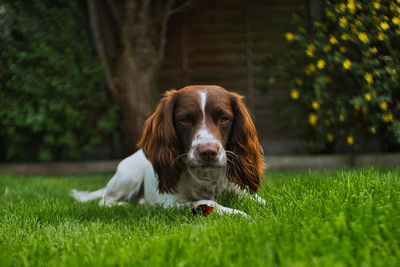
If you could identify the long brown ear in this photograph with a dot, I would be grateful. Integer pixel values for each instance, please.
(161, 145)
(246, 167)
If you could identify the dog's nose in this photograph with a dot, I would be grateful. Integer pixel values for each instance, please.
(208, 151)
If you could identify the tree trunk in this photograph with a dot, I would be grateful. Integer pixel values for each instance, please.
(130, 39)
(135, 94)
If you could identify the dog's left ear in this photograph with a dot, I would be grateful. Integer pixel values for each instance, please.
(161, 145)
(246, 167)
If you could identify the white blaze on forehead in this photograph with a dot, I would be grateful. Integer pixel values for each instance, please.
(203, 135)
(203, 100)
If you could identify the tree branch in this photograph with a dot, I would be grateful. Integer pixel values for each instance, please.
(94, 25)
(181, 7)
(169, 11)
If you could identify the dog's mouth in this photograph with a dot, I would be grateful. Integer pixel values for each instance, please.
(193, 164)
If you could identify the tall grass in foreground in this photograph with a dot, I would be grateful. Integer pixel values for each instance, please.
(343, 218)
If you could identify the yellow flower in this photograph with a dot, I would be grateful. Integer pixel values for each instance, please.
(342, 7)
(310, 69)
(294, 94)
(329, 137)
(327, 48)
(343, 22)
(299, 82)
(356, 107)
(312, 118)
(383, 105)
(330, 15)
(289, 36)
(333, 40)
(341, 117)
(373, 50)
(350, 140)
(396, 21)
(369, 78)
(344, 36)
(351, 6)
(342, 49)
(381, 36)
(368, 97)
(347, 64)
(384, 25)
(365, 109)
(320, 64)
(377, 5)
(310, 50)
(388, 117)
(373, 130)
(315, 105)
(363, 37)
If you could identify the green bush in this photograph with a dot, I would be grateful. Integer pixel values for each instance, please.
(344, 75)
(52, 96)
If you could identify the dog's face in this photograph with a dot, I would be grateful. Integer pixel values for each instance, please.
(202, 126)
(203, 121)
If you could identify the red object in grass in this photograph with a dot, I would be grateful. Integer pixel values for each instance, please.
(205, 210)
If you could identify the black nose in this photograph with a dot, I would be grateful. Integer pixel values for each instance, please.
(207, 151)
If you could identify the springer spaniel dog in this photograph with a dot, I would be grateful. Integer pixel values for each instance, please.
(198, 143)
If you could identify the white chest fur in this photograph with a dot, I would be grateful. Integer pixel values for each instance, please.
(202, 183)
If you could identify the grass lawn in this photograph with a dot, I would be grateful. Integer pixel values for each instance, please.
(335, 218)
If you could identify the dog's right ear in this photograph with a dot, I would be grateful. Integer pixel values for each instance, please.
(161, 145)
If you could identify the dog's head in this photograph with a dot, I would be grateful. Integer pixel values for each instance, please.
(199, 127)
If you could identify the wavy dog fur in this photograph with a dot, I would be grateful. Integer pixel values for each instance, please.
(246, 164)
(199, 142)
(161, 146)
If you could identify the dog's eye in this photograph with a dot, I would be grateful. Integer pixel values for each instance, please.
(185, 120)
(224, 119)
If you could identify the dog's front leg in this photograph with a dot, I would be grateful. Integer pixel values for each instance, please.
(206, 206)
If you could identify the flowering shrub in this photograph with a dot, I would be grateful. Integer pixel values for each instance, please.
(344, 73)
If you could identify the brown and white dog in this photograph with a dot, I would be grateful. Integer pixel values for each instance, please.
(198, 143)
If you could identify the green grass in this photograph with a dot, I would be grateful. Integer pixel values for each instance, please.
(343, 218)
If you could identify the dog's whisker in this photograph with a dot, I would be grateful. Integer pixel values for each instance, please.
(180, 156)
(232, 155)
(229, 161)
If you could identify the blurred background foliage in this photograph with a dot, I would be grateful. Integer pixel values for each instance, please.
(52, 96)
(343, 69)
